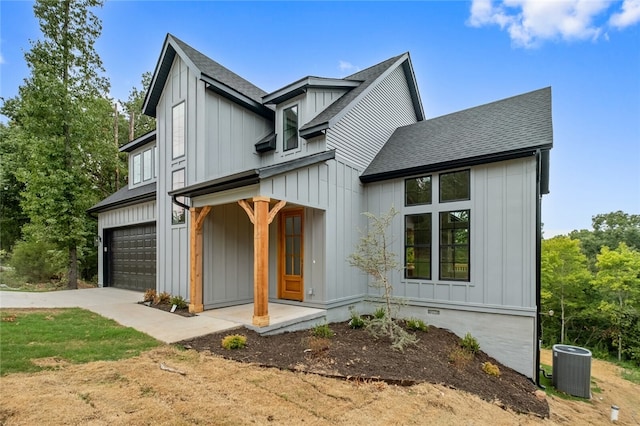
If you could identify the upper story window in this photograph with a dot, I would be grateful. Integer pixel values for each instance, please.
(290, 127)
(178, 134)
(455, 186)
(417, 191)
(143, 166)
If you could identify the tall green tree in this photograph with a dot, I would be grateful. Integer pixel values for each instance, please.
(12, 217)
(565, 279)
(618, 279)
(609, 229)
(133, 107)
(63, 136)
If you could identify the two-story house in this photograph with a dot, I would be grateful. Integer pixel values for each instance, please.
(242, 196)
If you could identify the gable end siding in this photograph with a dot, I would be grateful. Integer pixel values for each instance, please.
(362, 132)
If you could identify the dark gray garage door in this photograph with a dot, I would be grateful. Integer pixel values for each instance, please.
(132, 258)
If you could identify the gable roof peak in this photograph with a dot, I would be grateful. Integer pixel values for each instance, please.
(368, 77)
(218, 78)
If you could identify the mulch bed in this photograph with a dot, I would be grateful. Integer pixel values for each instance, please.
(355, 354)
(184, 312)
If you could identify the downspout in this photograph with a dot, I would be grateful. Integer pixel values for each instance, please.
(174, 198)
(538, 267)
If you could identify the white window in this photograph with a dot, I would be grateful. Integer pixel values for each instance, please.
(137, 172)
(178, 134)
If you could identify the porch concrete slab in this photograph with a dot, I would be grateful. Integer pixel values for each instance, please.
(279, 313)
(121, 306)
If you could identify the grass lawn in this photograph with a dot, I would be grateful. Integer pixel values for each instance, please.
(33, 340)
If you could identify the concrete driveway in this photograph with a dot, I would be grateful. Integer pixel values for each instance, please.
(121, 306)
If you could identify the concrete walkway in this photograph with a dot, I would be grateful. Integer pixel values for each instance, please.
(123, 307)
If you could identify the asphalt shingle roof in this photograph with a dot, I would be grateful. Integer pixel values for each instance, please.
(216, 71)
(481, 134)
(125, 197)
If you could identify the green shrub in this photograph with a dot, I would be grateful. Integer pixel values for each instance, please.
(415, 324)
(234, 341)
(37, 261)
(322, 330)
(470, 344)
(179, 302)
(356, 320)
(379, 313)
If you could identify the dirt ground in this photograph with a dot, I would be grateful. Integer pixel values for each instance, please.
(218, 391)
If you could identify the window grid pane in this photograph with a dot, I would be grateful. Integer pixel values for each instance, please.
(454, 245)
(293, 245)
(417, 241)
(455, 186)
(417, 191)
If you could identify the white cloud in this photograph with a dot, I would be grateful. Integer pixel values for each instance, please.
(347, 66)
(629, 15)
(530, 22)
(1, 59)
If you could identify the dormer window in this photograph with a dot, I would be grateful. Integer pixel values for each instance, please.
(290, 127)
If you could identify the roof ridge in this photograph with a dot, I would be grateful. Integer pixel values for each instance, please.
(189, 51)
(392, 59)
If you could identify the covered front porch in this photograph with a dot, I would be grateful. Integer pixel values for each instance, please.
(283, 317)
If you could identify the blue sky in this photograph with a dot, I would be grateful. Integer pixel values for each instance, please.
(464, 54)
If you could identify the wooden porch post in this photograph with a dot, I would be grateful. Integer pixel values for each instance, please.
(261, 217)
(198, 214)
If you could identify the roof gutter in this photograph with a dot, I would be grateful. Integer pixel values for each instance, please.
(466, 162)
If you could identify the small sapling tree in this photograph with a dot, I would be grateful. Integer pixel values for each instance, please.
(374, 257)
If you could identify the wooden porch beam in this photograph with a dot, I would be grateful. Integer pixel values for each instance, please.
(261, 217)
(198, 215)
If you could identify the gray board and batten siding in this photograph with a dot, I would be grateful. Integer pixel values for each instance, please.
(219, 140)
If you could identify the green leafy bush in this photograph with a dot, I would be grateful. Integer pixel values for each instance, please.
(322, 330)
(356, 320)
(37, 261)
(415, 324)
(234, 341)
(379, 313)
(179, 302)
(470, 344)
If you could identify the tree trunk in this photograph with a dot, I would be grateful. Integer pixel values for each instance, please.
(73, 268)
(562, 320)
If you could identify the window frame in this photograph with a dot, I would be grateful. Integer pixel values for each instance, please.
(286, 128)
(136, 168)
(442, 247)
(175, 131)
(453, 200)
(407, 246)
(406, 192)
